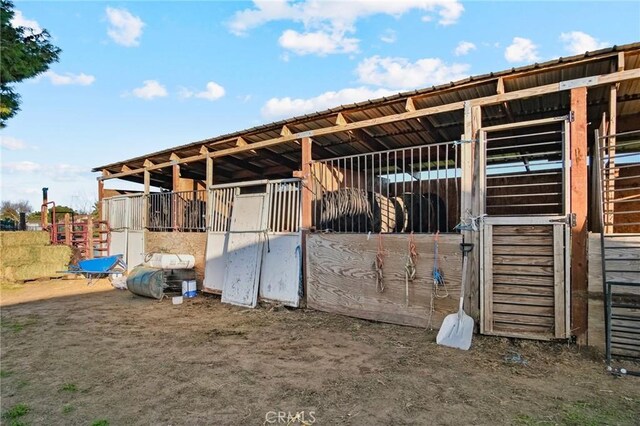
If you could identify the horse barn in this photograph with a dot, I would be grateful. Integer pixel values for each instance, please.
(361, 210)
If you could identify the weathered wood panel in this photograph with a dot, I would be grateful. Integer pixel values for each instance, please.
(620, 248)
(192, 243)
(342, 277)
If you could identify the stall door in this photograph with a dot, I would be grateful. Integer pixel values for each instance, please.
(247, 235)
(220, 202)
(125, 217)
(524, 261)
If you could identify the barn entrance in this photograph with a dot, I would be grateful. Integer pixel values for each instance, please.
(524, 261)
(254, 242)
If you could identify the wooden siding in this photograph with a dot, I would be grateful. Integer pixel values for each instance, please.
(342, 278)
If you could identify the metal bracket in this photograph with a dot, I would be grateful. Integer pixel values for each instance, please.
(572, 116)
(569, 219)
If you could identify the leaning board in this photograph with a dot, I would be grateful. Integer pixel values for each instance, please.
(341, 277)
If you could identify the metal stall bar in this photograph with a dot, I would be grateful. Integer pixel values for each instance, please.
(391, 191)
(618, 172)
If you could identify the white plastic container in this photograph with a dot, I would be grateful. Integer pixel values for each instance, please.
(170, 261)
(189, 288)
(176, 300)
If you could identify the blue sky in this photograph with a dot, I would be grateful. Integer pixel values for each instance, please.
(136, 77)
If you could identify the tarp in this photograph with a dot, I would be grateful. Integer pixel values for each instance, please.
(148, 282)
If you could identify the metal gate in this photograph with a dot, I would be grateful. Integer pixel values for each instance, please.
(125, 216)
(278, 233)
(618, 160)
(524, 261)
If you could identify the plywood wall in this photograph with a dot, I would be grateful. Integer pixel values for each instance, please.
(192, 243)
(341, 277)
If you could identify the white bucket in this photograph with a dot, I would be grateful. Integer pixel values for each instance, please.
(189, 288)
(170, 261)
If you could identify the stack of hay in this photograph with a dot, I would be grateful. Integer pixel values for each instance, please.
(28, 255)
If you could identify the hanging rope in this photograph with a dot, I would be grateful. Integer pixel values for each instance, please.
(439, 286)
(379, 265)
(410, 266)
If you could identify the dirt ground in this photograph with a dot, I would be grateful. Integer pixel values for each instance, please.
(78, 355)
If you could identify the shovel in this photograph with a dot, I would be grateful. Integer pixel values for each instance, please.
(457, 329)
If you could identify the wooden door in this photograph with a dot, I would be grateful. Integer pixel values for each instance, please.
(525, 278)
(524, 197)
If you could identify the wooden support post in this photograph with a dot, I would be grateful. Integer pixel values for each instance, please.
(208, 184)
(611, 173)
(175, 168)
(89, 247)
(100, 198)
(579, 179)
(67, 229)
(307, 183)
(472, 206)
(146, 201)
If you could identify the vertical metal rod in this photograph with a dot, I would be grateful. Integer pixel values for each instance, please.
(458, 195)
(351, 185)
(446, 170)
(388, 198)
(366, 187)
(420, 197)
(438, 187)
(359, 192)
(429, 203)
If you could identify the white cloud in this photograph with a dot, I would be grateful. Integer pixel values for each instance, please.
(12, 144)
(124, 28)
(68, 78)
(521, 50)
(327, 23)
(20, 21)
(389, 36)
(463, 48)
(61, 172)
(212, 92)
(21, 167)
(150, 89)
(402, 74)
(576, 42)
(287, 107)
(319, 42)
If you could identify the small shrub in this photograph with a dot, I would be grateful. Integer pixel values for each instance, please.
(16, 411)
(101, 422)
(69, 387)
(66, 409)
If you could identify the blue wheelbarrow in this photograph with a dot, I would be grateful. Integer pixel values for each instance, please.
(111, 267)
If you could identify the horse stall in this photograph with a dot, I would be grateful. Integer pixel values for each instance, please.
(125, 217)
(254, 242)
(385, 245)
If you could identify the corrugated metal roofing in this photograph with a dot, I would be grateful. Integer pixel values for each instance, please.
(435, 128)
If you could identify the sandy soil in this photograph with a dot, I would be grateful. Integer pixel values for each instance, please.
(74, 354)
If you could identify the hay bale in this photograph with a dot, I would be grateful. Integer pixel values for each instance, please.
(23, 238)
(40, 262)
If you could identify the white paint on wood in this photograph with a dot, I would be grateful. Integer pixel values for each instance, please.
(244, 259)
(215, 261)
(281, 269)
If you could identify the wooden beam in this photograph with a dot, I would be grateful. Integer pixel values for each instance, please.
(484, 101)
(361, 135)
(125, 168)
(579, 206)
(285, 131)
(472, 205)
(100, 198)
(307, 181)
(147, 190)
(505, 106)
(148, 163)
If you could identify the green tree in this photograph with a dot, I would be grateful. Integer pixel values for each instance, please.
(23, 54)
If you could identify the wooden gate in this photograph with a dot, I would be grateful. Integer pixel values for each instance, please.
(524, 262)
